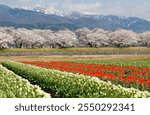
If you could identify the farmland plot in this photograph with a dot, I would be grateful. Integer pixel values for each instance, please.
(66, 84)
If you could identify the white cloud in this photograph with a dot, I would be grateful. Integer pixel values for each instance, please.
(138, 8)
(87, 8)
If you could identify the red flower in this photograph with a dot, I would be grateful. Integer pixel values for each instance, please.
(134, 74)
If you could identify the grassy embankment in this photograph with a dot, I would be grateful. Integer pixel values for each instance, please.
(102, 59)
(76, 49)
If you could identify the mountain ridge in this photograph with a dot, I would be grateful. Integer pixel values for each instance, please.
(30, 19)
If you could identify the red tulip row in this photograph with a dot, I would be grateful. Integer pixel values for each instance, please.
(127, 74)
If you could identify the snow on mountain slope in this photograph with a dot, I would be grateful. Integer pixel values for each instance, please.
(54, 19)
(51, 10)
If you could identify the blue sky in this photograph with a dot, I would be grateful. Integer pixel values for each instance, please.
(138, 8)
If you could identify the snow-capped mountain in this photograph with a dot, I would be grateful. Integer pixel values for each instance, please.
(51, 10)
(54, 11)
(51, 18)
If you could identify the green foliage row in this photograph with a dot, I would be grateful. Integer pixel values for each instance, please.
(138, 62)
(71, 85)
(13, 86)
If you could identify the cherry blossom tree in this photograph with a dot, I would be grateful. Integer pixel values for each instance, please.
(83, 37)
(6, 41)
(145, 39)
(123, 38)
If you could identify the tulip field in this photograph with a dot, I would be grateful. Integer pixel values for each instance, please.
(74, 76)
(13, 86)
(127, 76)
(82, 80)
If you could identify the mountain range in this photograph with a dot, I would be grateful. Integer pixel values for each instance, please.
(54, 19)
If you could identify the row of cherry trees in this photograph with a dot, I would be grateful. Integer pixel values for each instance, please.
(84, 37)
